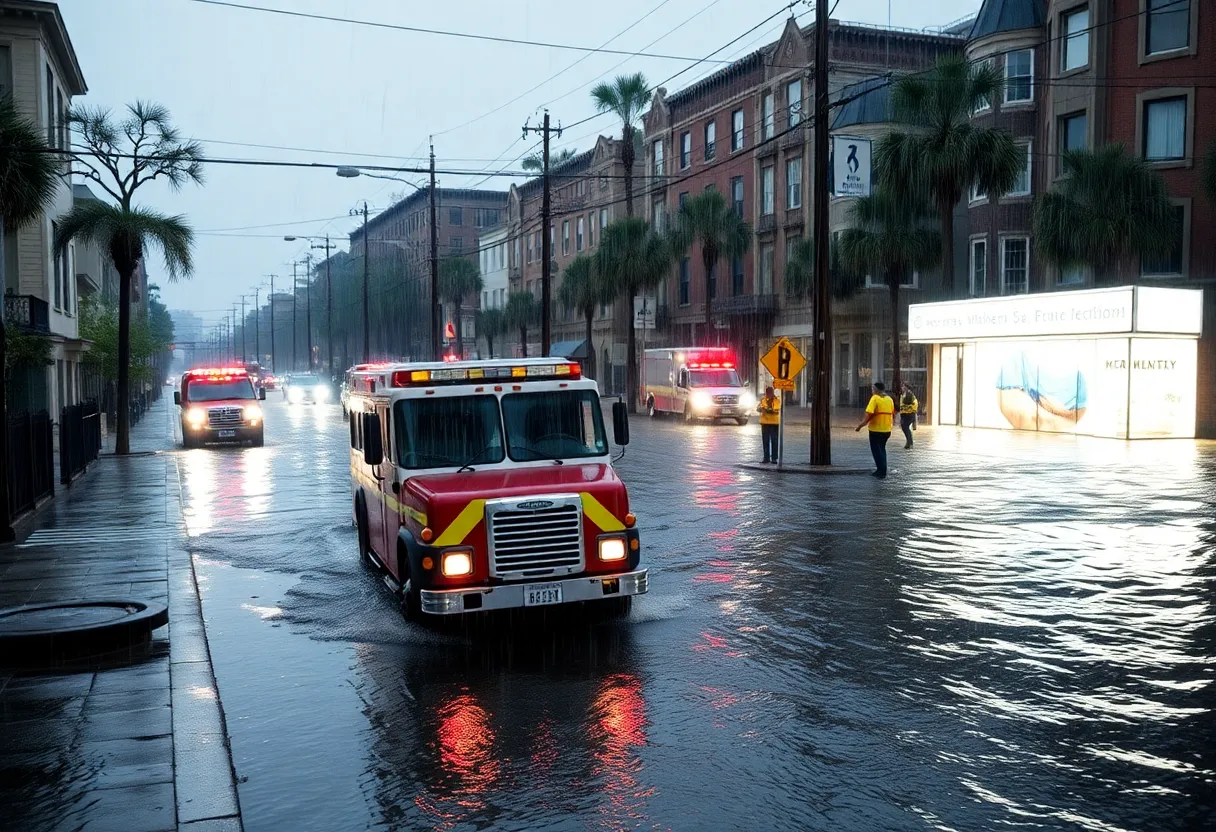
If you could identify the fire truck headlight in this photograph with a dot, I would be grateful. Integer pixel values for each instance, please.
(747, 401)
(252, 413)
(295, 394)
(612, 548)
(701, 400)
(322, 393)
(457, 563)
(196, 417)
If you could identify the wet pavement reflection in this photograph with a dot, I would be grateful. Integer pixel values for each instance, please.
(1012, 631)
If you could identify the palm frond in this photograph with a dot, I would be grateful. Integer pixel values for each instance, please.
(459, 277)
(536, 161)
(632, 257)
(28, 174)
(521, 310)
(889, 236)
(127, 233)
(626, 97)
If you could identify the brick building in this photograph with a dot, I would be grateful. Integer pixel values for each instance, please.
(587, 193)
(746, 131)
(1083, 74)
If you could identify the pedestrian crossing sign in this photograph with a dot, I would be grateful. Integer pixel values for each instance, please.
(784, 363)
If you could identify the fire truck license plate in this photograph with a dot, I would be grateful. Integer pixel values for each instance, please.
(537, 595)
(227, 434)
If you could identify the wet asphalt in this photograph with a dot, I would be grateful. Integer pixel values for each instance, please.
(1011, 631)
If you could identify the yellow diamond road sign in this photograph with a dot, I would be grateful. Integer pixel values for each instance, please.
(783, 361)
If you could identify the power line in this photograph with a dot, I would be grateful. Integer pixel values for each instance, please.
(443, 32)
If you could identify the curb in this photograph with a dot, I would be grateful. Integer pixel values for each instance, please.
(801, 468)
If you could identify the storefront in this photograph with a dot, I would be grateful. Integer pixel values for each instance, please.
(1119, 363)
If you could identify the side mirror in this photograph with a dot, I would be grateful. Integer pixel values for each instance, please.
(620, 423)
(262, 394)
(177, 398)
(373, 448)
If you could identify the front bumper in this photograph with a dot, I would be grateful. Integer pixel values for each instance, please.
(210, 435)
(510, 596)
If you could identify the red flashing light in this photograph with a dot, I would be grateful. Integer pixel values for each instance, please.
(449, 358)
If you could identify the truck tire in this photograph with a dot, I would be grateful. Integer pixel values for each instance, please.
(188, 441)
(650, 408)
(741, 421)
(688, 417)
(260, 439)
(411, 595)
(361, 533)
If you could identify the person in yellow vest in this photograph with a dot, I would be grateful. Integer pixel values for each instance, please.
(880, 414)
(770, 417)
(908, 405)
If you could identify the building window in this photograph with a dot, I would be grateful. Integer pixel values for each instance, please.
(659, 216)
(711, 140)
(736, 195)
(767, 110)
(766, 190)
(1021, 186)
(683, 198)
(455, 216)
(1165, 129)
(485, 217)
(1073, 133)
(793, 183)
(65, 141)
(57, 256)
(979, 267)
(978, 194)
(457, 245)
(736, 275)
(658, 157)
(1167, 26)
(578, 235)
(765, 284)
(1070, 276)
(685, 149)
(50, 108)
(793, 98)
(1019, 76)
(1015, 265)
(736, 130)
(1169, 265)
(985, 102)
(603, 220)
(684, 268)
(565, 236)
(590, 230)
(1074, 52)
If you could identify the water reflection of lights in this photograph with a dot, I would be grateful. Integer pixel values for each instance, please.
(466, 745)
(618, 728)
(265, 613)
(201, 487)
(303, 414)
(707, 490)
(255, 480)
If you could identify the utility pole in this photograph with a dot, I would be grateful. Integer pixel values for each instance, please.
(329, 302)
(295, 282)
(232, 336)
(367, 341)
(272, 368)
(308, 306)
(821, 427)
(257, 325)
(436, 323)
(244, 326)
(546, 240)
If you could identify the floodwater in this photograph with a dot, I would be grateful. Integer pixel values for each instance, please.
(1011, 632)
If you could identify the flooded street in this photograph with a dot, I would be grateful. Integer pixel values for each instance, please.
(1013, 631)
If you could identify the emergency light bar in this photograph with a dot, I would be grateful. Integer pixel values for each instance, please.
(716, 358)
(215, 372)
(455, 375)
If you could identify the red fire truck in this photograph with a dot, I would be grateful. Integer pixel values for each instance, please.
(486, 485)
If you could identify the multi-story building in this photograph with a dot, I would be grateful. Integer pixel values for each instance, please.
(400, 241)
(95, 272)
(587, 193)
(38, 67)
(745, 130)
(1088, 73)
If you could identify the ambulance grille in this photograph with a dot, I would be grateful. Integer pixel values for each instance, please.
(726, 399)
(224, 417)
(536, 542)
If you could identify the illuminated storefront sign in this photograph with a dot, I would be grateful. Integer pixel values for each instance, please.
(1117, 363)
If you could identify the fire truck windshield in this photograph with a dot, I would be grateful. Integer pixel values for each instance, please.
(455, 431)
(714, 378)
(206, 390)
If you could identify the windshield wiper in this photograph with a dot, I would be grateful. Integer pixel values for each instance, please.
(469, 465)
(538, 454)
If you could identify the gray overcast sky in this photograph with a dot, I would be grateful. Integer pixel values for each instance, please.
(230, 75)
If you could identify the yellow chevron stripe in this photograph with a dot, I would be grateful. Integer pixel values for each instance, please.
(599, 515)
(414, 513)
(459, 528)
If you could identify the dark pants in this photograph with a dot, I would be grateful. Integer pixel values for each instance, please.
(906, 421)
(768, 438)
(878, 447)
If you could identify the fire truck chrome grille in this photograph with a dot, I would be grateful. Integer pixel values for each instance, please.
(726, 399)
(535, 542)
(224, 417)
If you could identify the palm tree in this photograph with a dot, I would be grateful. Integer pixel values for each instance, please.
(28, 178)
(520, 313)
(459, 277)
(583, 291)
(800, 273)
(891, 235)
(1209, 172)
(1109, 205)
(491, 324)
(631, 258)
(536, 162)
(121, 156)
(942, 153)
(707, 219)
(626, 97)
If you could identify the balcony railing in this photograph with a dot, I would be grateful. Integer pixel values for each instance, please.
(747, 305)
(27, 312)
(766, 223)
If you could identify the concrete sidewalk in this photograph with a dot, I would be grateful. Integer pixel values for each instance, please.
(134, 744)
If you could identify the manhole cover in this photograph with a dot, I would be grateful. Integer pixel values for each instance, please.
(40, 631)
